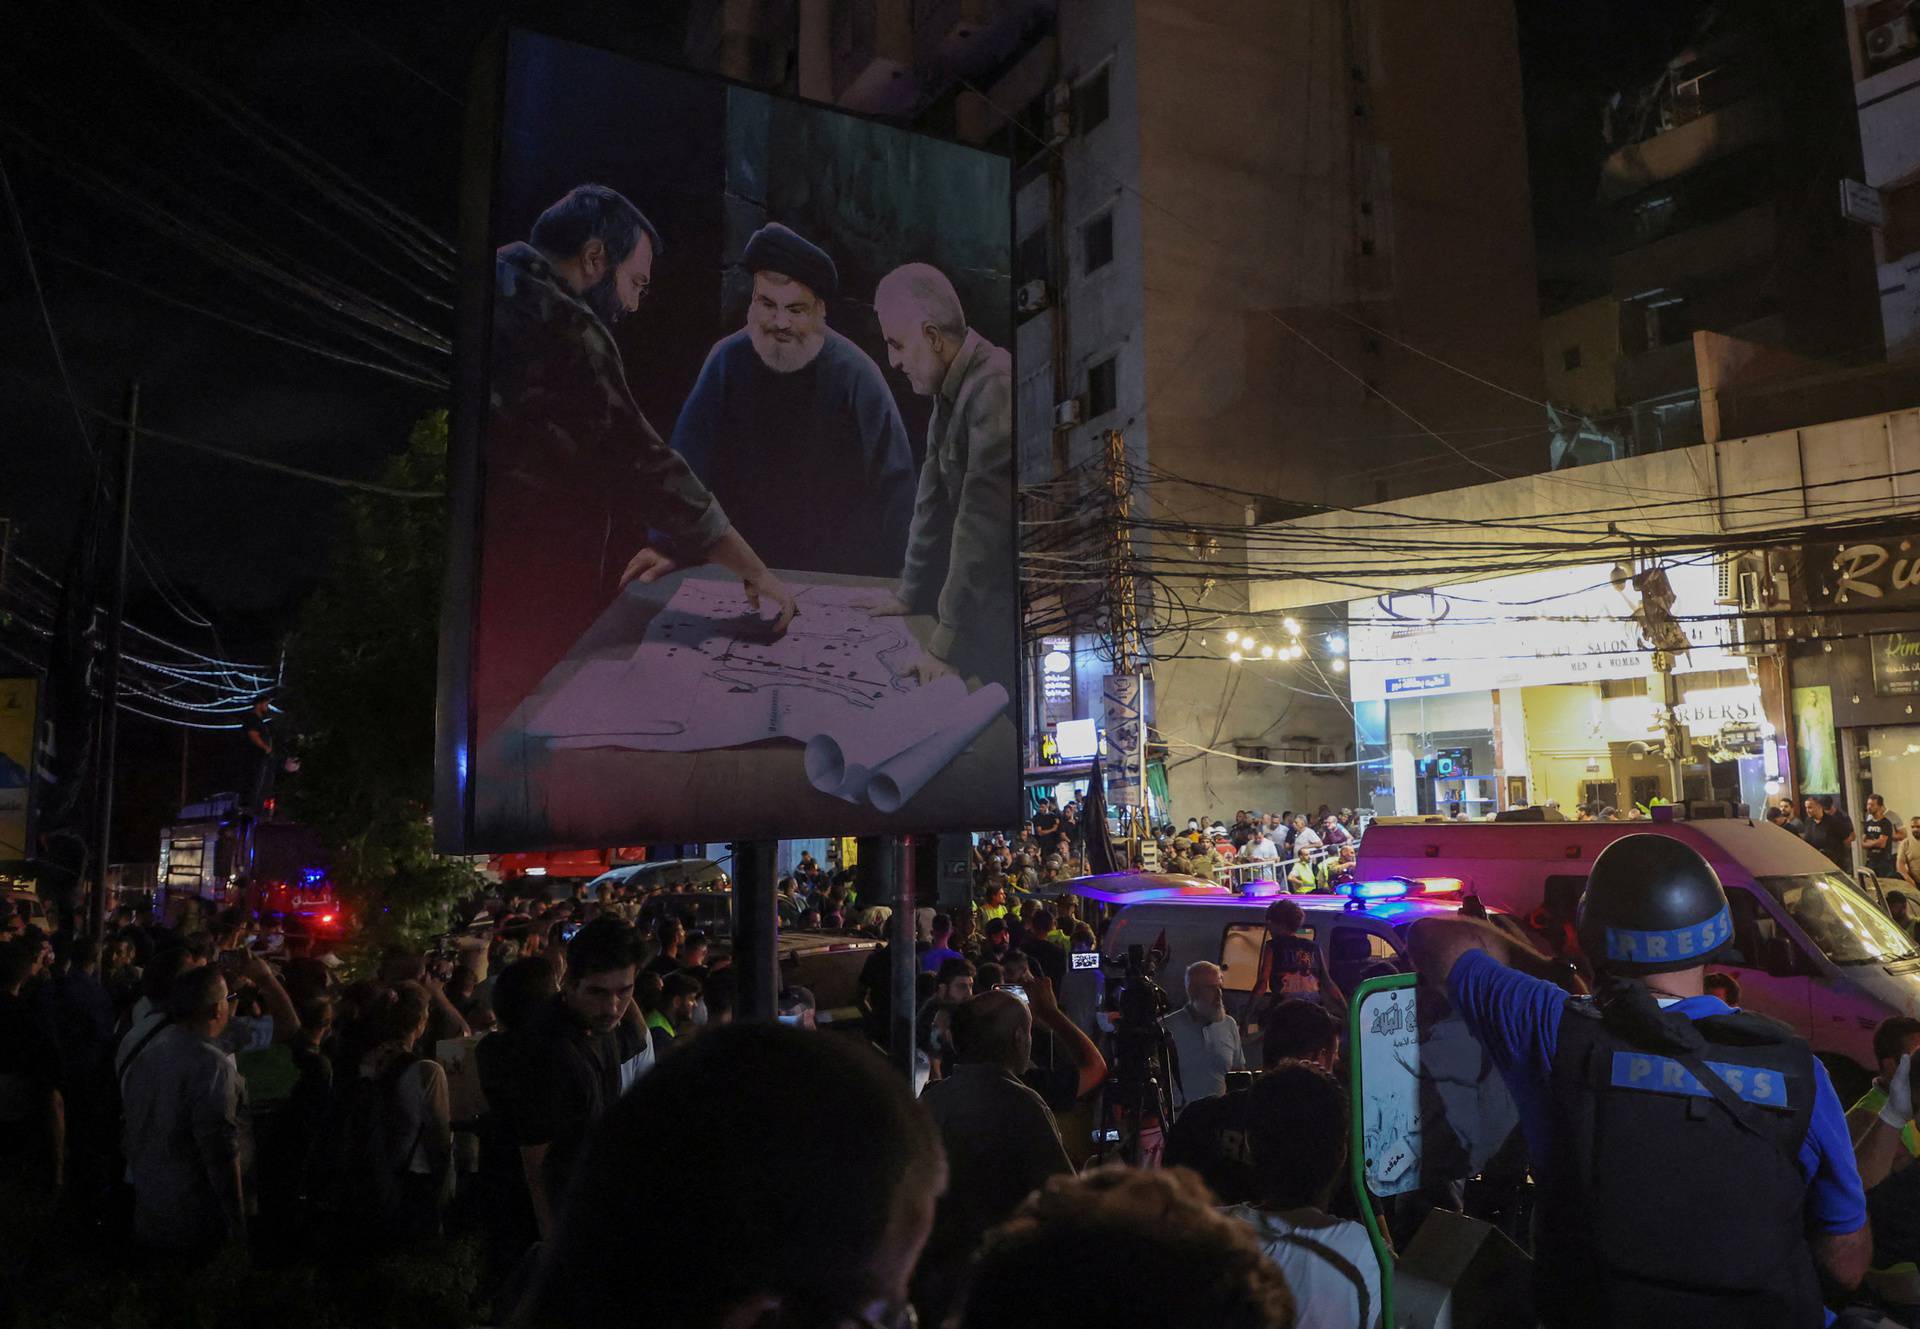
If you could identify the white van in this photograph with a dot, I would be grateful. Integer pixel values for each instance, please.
(1813, 950)
(1189, 920)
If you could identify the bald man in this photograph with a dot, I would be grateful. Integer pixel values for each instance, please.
(959, 563)
(1001, 1139)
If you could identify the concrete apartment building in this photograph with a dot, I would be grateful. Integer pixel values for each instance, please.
(1720, 208)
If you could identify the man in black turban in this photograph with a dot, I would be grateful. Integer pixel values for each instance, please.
(793, 427)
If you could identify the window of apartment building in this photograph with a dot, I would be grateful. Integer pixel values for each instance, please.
(1570, 358)
(1096, 243)
(1668, 321)
(1102, 387)
(1033, 258)
(1026, 135)
(1090, 102)
(1250, 759)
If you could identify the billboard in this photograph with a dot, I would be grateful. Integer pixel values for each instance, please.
(19, 698)
(734, 547)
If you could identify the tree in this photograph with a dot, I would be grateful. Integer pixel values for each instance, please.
(360, 679)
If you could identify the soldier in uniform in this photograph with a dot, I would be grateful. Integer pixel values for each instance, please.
(1692, 1160)
(571, 461)
(960, 546)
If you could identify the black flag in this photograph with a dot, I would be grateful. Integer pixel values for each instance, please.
(1094, 820)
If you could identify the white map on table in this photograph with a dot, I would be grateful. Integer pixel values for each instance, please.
(708, 674)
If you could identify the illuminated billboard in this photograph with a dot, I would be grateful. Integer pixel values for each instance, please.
(1555, 625)
(733, 550)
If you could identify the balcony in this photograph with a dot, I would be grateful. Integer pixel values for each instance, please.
(1662, 372)
(1696, 255)
(1692, 145)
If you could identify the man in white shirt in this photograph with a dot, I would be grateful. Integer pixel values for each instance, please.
(1205, 1038)
(1299, 1140)
(1305, 838)
(1260, 850)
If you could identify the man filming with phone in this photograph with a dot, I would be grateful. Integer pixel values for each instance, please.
(1064, 1065)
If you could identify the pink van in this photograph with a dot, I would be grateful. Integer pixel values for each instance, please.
(1813, 950)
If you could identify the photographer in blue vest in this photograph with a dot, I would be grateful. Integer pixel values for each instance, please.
(1692, 1161)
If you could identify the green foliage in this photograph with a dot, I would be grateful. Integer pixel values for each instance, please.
(361, 679)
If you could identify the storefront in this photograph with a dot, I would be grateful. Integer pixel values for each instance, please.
(1856, 685)
(1535, 689)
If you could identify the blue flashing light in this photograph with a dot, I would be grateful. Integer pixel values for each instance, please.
(1377, 890)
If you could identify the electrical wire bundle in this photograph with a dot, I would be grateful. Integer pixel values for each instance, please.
(160, 679)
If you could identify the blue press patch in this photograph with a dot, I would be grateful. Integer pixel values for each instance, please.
(1651, 947)
(1663, 1075)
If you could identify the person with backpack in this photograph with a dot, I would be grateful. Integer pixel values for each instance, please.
(389, 1173)
(1637, 1103)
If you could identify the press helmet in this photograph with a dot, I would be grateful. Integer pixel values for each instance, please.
(1652, 905)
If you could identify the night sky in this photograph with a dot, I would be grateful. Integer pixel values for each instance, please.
(373, 88)
(101, 146)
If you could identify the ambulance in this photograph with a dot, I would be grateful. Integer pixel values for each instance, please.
(1812, 946)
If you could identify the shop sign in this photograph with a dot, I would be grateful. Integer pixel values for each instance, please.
(1866, 573)
(1715, 708)
(1896, 663)
(1124, 720)
(1570, 624)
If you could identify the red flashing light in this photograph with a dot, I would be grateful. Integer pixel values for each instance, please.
(326, 918)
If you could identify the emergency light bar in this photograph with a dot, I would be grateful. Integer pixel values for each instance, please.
(1394, 889)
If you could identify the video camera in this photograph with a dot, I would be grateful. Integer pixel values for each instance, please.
(1139, 1088)
(1140, 1001)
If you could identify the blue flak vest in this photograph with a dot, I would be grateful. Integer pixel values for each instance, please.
(1665, 1206)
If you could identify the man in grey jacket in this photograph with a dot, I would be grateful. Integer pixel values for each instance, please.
(960, 550)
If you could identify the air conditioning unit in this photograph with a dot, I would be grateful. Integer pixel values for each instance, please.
(1059, 114)
(1750, 582)
(1891, 42)
(1032, 297)
(1068, 413)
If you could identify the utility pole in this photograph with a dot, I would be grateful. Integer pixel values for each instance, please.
(1673, 737)
(110, 673)
(1123, 609)
(1665, 636)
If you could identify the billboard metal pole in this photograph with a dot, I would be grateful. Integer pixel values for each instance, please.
(756, 928)
(905, 966)
(110, 678)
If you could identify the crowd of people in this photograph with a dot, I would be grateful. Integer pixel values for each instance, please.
(558, 1069)
(1308, 852)
(215, 1082)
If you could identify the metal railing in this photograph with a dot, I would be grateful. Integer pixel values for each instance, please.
(1238, 875)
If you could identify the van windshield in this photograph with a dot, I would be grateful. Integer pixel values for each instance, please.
(1842, 922)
